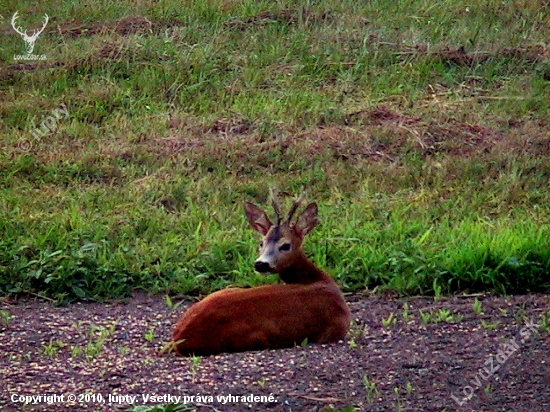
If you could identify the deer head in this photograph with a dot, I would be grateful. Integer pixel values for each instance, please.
(281, 246)
(30, 40)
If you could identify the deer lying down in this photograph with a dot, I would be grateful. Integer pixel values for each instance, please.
(308, 306)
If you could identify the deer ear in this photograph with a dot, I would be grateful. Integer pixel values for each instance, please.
(307, 220)
(257, 218)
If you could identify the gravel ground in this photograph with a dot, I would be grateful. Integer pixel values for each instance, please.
(428, 356)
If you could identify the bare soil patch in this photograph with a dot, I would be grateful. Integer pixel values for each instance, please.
(125, 27)
(461, 57)
(284, 17)
(406, 363)
(379, 135)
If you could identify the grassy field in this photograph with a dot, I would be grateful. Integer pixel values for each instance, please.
(420, 128)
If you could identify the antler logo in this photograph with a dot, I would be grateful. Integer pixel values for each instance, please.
(30, 40)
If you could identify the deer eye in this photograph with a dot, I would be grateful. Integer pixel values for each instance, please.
(284, 247)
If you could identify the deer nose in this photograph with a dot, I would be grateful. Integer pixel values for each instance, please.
(262, 267)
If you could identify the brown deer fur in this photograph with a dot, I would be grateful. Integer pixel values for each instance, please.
(309, 306)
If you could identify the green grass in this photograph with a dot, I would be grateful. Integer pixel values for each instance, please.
(419, 127)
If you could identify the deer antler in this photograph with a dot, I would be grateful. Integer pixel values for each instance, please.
(43, 27)
(18, 30)
(297, 203)
(276, 205)
(35, 34)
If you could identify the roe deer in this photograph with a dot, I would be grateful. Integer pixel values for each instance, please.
(308, 306)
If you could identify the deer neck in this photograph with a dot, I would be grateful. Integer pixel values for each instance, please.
(303, 271)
